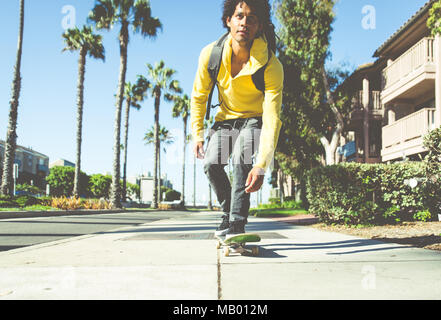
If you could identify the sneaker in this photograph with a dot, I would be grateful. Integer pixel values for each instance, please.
(236, 228)
(224, 227)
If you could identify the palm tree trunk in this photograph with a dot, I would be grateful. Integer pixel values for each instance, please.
(126, 141)
(183, 164)
(156, 139)
(159, 173)
(115, 195)
(80, 103)
(7, 186)
(210, 200)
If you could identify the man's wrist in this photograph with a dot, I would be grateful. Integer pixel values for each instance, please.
(260, 171)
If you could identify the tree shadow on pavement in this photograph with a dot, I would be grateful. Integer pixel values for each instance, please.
(418, 241)
(366, 243)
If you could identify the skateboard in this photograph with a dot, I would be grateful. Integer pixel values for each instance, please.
(237, 243)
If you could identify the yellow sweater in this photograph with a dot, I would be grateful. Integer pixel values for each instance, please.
(239, 96)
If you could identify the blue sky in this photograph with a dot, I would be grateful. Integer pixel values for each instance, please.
(47, 110)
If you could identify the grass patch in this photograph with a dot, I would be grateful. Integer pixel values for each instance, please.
(201, 209)
(277, 212)
(36, 207)
(39, 207)
(140, 209)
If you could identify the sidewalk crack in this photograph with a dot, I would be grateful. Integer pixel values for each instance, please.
(219, 281)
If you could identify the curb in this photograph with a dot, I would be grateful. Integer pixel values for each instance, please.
(38, 214)
(298, 220)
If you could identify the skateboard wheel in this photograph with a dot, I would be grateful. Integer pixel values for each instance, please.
(227, 252)
(255, 251)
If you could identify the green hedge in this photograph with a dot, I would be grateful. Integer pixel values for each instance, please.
(18, 201)
(353, 193)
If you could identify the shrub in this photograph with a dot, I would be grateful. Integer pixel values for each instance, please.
(353, 193)
(391, 214)
(99, 185)
(8, 204)
(133, 190)
(61, 179)
(73, 203)
(172, 195)
(24, 201)
(423, 215)
(30, 189)
(432, 194)
(65, 203)
(45, 201)
(336, 193)
(292, 204)
(96, 204)
(396, 189)
(274, 201)
(18, 201)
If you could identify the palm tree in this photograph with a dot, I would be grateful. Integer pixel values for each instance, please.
(87, 43)
(105, 15)
(162, 83)
(167, 138)
(7, 186)
(134, 94)
(181, 108)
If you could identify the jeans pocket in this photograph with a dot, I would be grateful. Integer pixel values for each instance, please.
(255, 123)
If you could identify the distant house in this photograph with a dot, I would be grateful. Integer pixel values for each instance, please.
(61, 163)
(362, 138)
(398, 97)
(33, 166)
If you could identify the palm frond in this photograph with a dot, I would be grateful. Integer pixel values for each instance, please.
(84, 39)
(181, 107)
(104, 14)
(143, 22)
(164, 136)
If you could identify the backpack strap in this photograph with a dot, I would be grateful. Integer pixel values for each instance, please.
(259, 76)
(213, 68)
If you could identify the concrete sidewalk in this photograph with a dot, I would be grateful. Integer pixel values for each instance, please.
(177, 259)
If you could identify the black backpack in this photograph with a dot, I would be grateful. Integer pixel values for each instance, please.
(214, 66)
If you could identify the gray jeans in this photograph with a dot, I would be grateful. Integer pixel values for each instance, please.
(238, 139)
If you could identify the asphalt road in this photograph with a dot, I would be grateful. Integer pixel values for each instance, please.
(23, 232)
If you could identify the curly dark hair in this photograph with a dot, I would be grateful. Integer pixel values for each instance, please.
(263, 13)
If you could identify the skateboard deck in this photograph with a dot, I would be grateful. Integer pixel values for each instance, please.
(237, 243)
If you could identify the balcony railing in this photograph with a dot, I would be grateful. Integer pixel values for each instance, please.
(417, 56)
(374, 100)
(409, 128)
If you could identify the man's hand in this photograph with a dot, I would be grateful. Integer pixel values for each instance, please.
(254, 180)
(199, 150)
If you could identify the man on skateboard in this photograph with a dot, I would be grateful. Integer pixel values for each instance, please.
(248, 116)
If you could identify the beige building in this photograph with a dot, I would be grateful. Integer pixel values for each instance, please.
(61, 163)
(398, 97)
(363, 133)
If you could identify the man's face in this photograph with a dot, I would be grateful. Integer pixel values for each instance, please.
(244, 24)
